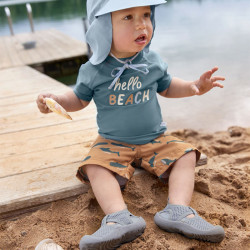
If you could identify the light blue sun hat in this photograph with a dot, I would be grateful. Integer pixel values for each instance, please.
(115, 5)
(99, 34)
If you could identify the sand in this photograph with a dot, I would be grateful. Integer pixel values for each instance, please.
(221, 196)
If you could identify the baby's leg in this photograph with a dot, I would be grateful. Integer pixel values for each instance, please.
(119, 225)
(106, 189)
(181, 180)
(177, 216)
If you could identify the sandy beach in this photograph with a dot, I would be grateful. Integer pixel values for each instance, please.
(221, 196)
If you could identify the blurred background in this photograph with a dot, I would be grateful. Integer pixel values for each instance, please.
(192, 36)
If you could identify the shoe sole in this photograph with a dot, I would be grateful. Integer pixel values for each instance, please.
(117, 241)
(112, 244)
(214, 236)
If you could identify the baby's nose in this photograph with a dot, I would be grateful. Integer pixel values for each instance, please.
(140, 24)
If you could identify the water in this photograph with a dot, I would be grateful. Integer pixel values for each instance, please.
(63, 15)
(192, 36)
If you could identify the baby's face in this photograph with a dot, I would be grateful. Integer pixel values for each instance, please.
(132, 31)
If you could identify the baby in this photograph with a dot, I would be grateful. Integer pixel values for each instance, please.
(123, 77)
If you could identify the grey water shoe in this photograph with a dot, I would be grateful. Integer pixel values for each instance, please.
(126, 228)
(173, 219)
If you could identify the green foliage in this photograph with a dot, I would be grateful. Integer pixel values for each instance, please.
(56, 10)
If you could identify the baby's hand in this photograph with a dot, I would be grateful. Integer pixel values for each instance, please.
(207, 82)
(41, 104)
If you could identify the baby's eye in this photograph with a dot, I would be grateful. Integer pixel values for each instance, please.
(128, 17)
(147, 14)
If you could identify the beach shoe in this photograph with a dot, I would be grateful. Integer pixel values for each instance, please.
(48, 244)
(126, 228)
(173, 219)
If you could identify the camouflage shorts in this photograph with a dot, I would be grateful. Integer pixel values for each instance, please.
(155, 157)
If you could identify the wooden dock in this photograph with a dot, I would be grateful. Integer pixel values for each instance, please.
(50, 45)
(39, 154)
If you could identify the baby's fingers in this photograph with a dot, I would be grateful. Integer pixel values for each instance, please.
(41, 104)
(214, 69)
(217, 78)
(217, 84)
(40, 99)
(208, 74)
(43, 108)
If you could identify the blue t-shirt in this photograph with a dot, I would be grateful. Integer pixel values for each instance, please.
(129, 112)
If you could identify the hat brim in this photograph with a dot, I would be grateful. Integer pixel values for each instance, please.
(114, 5)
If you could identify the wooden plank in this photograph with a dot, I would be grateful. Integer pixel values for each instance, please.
(19, 74)
(42, 49)
(54, 50)
(18, 109)
(10, 43)
(37, 82)
(46, 131)
(24, 108)
(48, 45)
(25, 97)
(66, 43)
(58, 48)
(28, 56)
(39, 144)
(5, 59)
(49, 158)
(51, 45)
(39, 187)
(27, 121)
(39, 153)
(26, 116)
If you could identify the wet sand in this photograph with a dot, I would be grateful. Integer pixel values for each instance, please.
(221, 196)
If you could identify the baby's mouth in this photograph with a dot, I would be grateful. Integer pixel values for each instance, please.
(141, 38)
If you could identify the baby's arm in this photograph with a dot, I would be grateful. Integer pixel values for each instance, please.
(69, 101)
(181, 88)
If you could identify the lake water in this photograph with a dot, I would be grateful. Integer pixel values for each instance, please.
(192, 36)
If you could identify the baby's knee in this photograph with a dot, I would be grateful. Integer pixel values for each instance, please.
(93, 170)
(190, 158)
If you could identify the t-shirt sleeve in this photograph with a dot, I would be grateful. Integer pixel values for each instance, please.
(165, 78)
(164, 82)
(84, 81)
